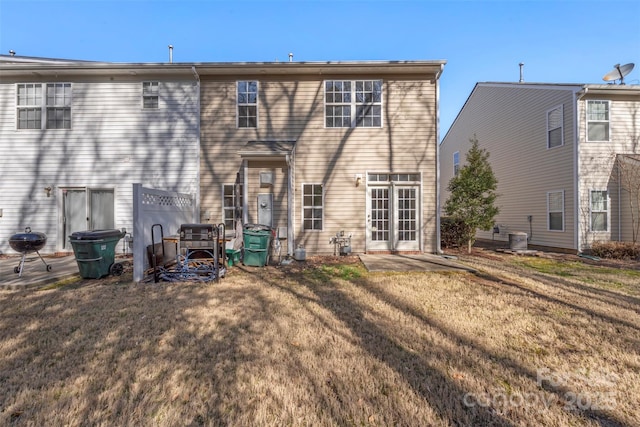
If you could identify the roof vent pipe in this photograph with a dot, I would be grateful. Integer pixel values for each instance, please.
(521, 72)
(170, 53)
(290, 57)
(12, 52)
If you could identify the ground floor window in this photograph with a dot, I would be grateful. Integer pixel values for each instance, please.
(599, 210)
(312, 206)
(231, 204)
(555, 210)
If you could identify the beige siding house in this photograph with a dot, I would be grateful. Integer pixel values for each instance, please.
(319, 149)
(553, 148)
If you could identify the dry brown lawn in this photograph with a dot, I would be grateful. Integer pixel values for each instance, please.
(527, 341)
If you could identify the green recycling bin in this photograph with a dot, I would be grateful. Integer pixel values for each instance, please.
(257, 238)
(95, 252)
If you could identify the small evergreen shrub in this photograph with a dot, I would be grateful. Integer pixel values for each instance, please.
(616, 250)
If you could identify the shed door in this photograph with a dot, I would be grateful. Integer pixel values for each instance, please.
(86, 209)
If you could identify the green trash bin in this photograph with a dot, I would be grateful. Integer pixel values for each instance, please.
(257, 238)
(95, 252)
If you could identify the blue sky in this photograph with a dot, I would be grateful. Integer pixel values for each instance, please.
(561, 41)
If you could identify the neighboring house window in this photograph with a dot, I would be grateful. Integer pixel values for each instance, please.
(247, 104)
(555, 133)
(456, 163)
(355, 103)
(229, 205)
(597, 120)
(312, 206)
(599, 208)
(29, 106)
(555, 210)
(56, 104)
(149, 94)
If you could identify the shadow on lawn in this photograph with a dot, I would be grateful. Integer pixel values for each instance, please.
(108, 354)
(436, 387)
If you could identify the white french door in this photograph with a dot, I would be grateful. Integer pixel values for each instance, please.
(393, 216)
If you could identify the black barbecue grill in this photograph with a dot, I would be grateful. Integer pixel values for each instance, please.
(26, 243)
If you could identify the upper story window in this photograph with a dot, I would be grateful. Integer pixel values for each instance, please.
(456, 163)
(355, 103)
(555, 210)
(150, 95)
(53, 108)
(555, 126)
(247, 104)
(597, 120)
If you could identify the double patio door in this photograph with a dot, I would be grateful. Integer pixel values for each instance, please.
(393, 212)
(86, 209)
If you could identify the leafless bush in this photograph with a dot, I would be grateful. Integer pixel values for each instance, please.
(616, 250)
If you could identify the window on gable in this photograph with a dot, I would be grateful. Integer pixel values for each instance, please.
(312, 206)
(555, 210)
(599, 210)
(247, 104)
(597, 120)
(456, 163)
(150, 95)
(229, 212)
(355, 103)
(555, 126)
(53, 108)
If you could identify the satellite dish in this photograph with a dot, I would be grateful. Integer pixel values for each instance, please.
(618, 72)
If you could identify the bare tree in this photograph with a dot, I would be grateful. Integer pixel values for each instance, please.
(628, 177)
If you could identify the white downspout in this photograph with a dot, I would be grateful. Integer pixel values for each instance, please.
(197, 207)
(576, 167)
(437, 90)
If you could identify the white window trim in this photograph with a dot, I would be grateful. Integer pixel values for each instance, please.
(224, 209)
(353, 104)
(43, 106)
(591, 211)
(157, 95)
(238, 105)
(561, 108)
(456, 163)
(563, 212)
(587, 121)
(303, 206)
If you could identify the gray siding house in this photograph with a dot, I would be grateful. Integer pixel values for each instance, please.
(553, 148)
(310, 149)
(75, 136)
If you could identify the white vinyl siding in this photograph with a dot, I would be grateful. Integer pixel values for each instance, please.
(113, 143)
(555, 211)
(247, 112)
(599, 210)
(598, 121)
(555, 127)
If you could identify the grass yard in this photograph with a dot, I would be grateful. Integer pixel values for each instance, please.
(526, 342)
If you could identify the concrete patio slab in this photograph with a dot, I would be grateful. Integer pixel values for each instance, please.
(402, 263)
